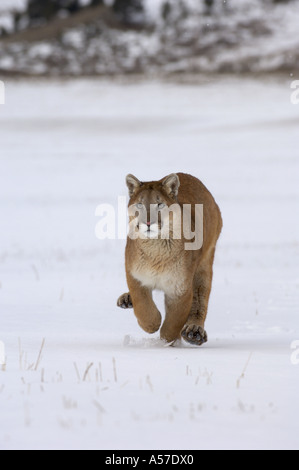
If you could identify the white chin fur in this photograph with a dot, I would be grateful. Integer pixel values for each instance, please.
(145, 233)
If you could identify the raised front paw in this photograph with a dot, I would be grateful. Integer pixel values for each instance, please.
(152, 324)
(125, 301)
(194, 334)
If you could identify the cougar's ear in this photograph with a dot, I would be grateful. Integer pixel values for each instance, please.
(133, 184)
(171, 185)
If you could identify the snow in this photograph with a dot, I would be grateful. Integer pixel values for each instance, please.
(66, 147)
(21, 4)
(239, 36)
(6, 5)
(6, 21)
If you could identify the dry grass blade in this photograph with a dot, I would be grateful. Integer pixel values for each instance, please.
(36, 273)
(21, 353)
(114, 369)
(77, 372)
(99, 406)
(242, 376)
(40, 354)
(149, 383)
(87, 371)
(100, 371)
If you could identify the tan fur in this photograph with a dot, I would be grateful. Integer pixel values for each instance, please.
(184, 276)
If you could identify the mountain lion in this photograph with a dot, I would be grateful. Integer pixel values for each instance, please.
(157, 262)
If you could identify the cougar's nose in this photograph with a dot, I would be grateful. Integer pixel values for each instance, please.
(148, 224)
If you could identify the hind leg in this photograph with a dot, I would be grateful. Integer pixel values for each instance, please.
(194, 330)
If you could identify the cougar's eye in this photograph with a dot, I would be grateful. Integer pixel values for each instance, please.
(139, 206)
(161, 206)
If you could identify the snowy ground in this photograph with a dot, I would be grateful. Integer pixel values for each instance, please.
(65, 148)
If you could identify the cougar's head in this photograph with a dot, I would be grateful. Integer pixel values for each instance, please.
(149, 205)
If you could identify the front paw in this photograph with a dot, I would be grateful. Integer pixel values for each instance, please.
(194, 334)
(125, 301)
(151, 324)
